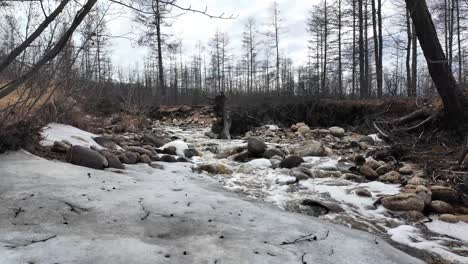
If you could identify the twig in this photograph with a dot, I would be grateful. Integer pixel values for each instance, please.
(75, 208)
(31, 242)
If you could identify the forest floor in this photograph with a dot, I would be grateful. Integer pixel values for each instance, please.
(217, 207)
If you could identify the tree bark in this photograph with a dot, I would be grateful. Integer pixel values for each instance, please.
(455, 102)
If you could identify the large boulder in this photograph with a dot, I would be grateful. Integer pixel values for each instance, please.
(445, 194)
(154, 140)
(403, 202)
(256, 146)
(291, 162)
(337, 131)
(315, 149)
(86, 157)
(270, 153)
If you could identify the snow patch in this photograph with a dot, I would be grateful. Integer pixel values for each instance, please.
(180, 146)
(260, 163)
(58, 132)
(457, 230)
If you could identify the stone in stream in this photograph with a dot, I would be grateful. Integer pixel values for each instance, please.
(291, 162)
(368, 173)
(337, 131)
(86, 157)
(449, 218)
(183, 159)
(353, 177)
(373, 163)
(385, 168)
(363, 192)
(213, 168)
(441, 207)
(270, 153)
(315, 149)
(106, 142)
(391, 177)
(168, 159)
(403, 202)
(256, 146)
(171, 150)
(359, 160)
(242, 157)
(139, 150)
(191, 152)
(412, 216)
(155, 140)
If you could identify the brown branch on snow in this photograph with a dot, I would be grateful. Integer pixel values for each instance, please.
(75, 208)
(308, 238)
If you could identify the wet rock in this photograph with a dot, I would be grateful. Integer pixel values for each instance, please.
(256, 146)
(313, 150)
(145, 159)
(373, 163)
(385, 168)
(325, 174)
(363, 192)
(86, 157)
(353, 177)
(113, 161)
(270, 153)
(60, 147)
(368, 173)
(337, 131)
(242, 157)
(463, 218)
(391, 177)
(441, 207)
(168, 159)
(191, 152)
(214, 168)
(129, 158)
(445, 194)
(106, 142)
(183, 159)
(449, 218)
(403, 202)
(412, 216)
(171, 150)
(321, 208)
(155, 140)
(139, 150)
(359, 160)
(291, 162)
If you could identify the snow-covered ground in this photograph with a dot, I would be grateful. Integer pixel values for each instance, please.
(54, 212)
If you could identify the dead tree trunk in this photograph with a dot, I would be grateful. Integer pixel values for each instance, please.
(455, 102)
(222, 111)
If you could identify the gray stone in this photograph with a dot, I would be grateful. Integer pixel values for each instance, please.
(313, 150)
(129, 158)
(363, 192)
(145, 159)
(445, 194)
(291, 162)
(191, 152)
(270, 153)
(449, 218)
(256, 146)
(113, 161)
(155, 140)
(60, 147)
(391, 177)
(441, 207)
(86, 157)
(242, 157)
(168, 158)
(139, 150)
(368, 173)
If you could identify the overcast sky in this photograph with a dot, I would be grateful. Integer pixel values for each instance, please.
(191, 28)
